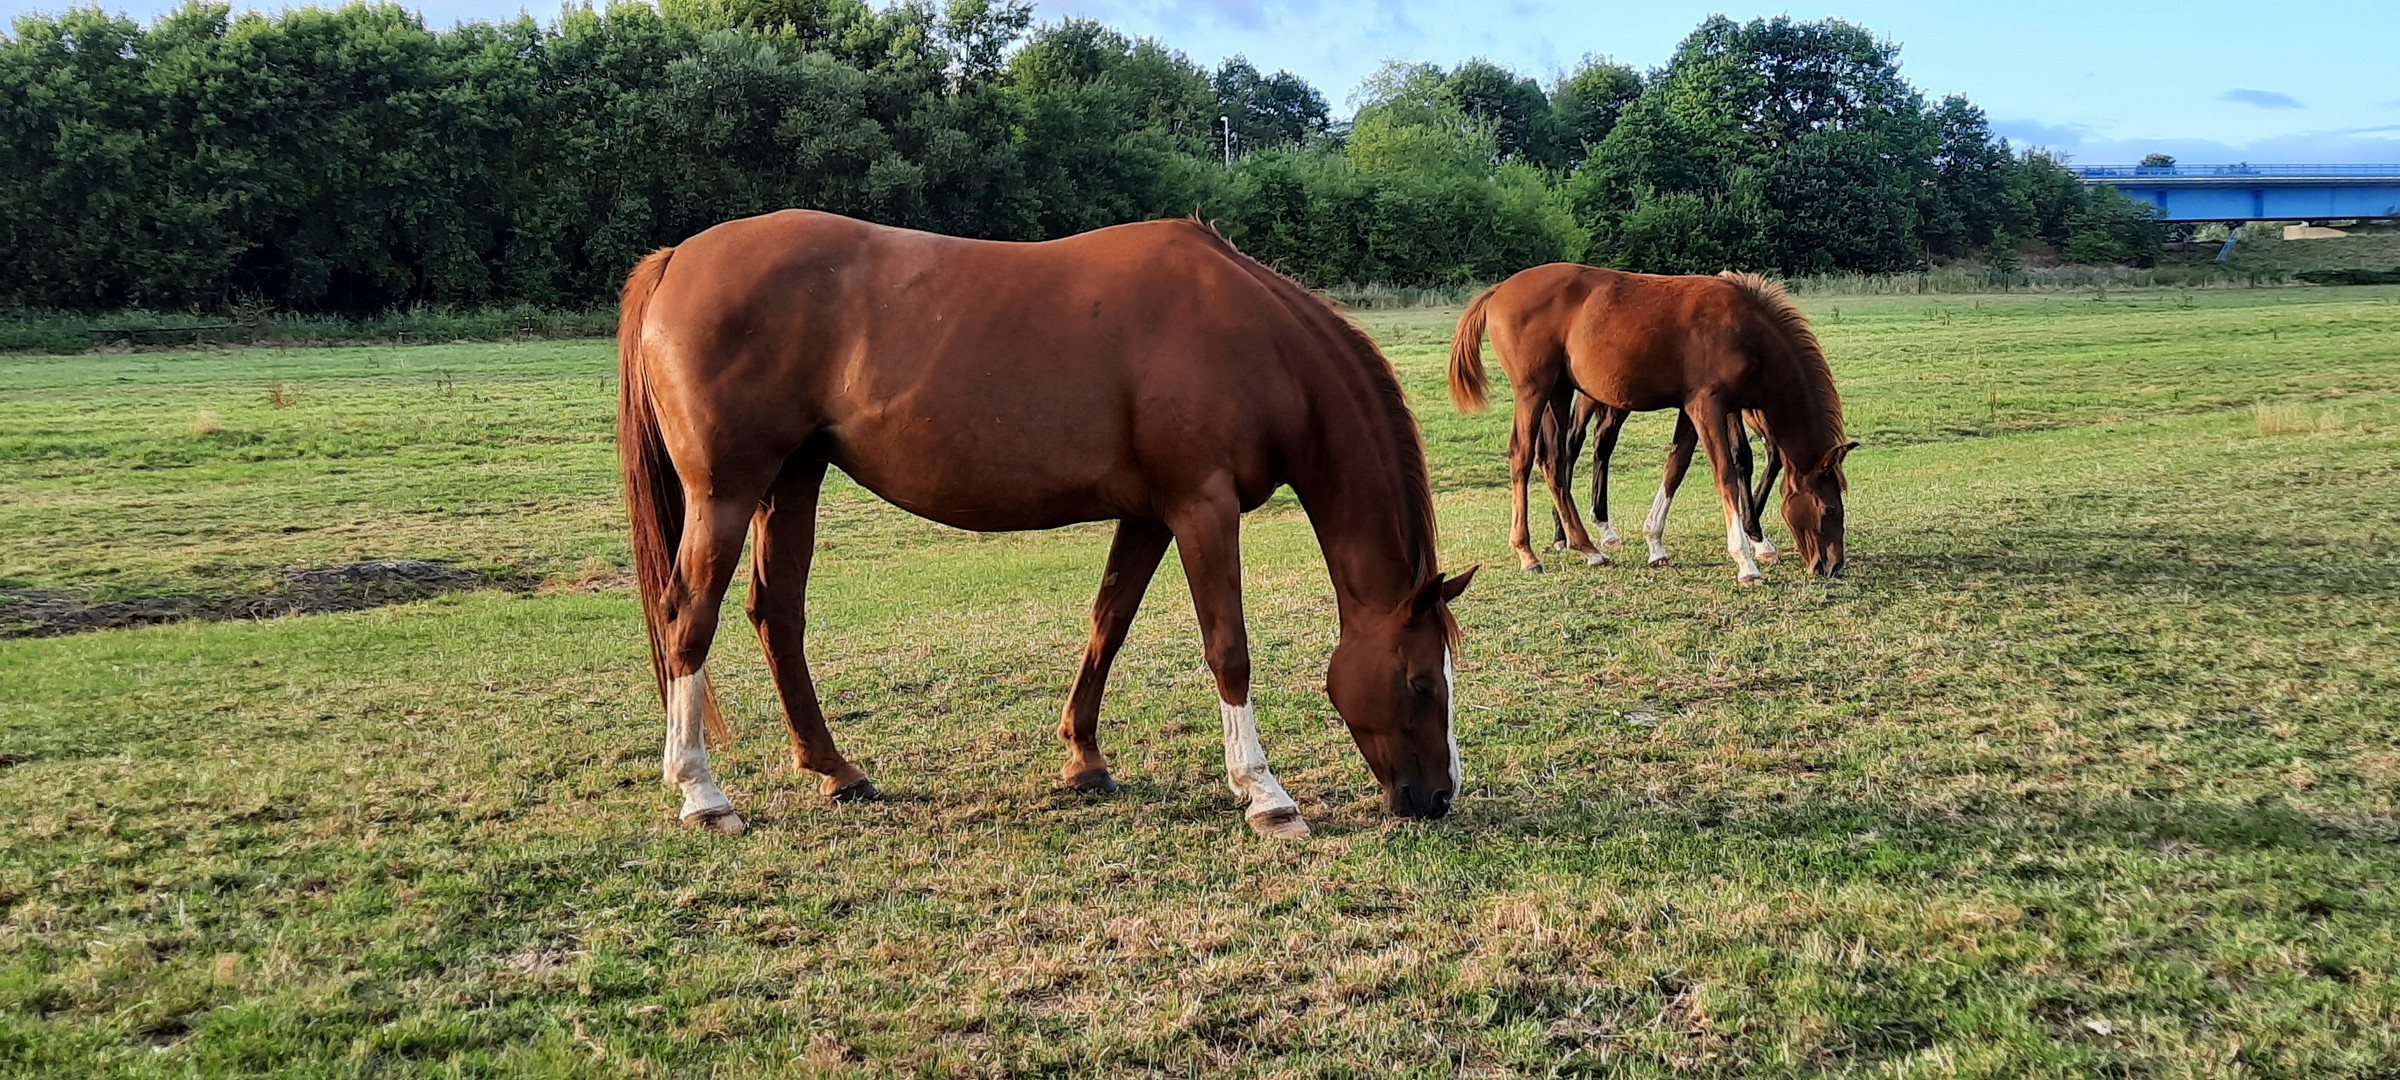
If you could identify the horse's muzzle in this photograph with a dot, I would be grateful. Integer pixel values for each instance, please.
(1412, 801)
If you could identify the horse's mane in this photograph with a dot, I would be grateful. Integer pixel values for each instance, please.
(1319, 310)
(1816, 377)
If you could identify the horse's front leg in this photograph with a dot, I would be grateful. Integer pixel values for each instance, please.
(1679, 461)
(785, 532)
(1132, 558)
(1604, 447)
(1758, 495)
(1721, 435)
(1568, 447)
(1209, 538)
(1558, 475)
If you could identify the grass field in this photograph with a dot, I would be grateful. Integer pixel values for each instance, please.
(2088, 768)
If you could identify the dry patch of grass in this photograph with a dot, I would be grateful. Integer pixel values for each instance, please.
(2296, 419)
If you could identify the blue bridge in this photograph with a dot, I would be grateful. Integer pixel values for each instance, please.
(2256, 192)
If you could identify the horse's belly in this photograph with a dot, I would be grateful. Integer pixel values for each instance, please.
(989, 479)
(1634, 392)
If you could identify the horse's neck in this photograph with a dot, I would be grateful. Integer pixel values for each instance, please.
(1795, 415)
(1366, 509)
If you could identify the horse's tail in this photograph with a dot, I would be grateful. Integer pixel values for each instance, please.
(653, 493)
(1469, 389)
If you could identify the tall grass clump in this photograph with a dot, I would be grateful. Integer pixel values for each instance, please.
(2296, 420)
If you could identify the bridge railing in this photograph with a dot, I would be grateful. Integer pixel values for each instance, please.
(2233, 172)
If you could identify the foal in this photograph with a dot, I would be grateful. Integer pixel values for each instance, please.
(1713, 347)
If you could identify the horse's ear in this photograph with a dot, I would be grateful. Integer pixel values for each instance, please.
(1833, 458)
(1426, 595)
(1434, 590)
(1457, 585)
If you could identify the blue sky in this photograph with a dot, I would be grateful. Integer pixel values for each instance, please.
(2293, 81)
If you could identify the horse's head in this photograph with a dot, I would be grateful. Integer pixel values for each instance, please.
(1812, 506)
(1391, 679)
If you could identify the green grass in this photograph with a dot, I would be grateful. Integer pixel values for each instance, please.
(2263, 249)
(2088, 767)
(56, 332)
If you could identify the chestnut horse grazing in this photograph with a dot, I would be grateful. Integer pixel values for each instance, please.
(1714, 347)
(1146, 373)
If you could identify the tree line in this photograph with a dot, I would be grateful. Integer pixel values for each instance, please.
(353, 159)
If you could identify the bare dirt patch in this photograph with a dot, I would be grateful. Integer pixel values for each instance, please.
(302, 590)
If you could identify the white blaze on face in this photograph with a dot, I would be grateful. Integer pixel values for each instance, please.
(687, 756)
(1458, 770)
(1246, 769)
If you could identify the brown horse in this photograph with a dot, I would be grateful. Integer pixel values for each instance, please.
(1146, 373)
(1557, 453)
(1713, 347)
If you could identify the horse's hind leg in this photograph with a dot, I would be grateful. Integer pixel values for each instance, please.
(785, 527)
(712, 544)
(1524, 447)
(1604, 447)
(1721, 435)
(1132, 558)
(1679, 461)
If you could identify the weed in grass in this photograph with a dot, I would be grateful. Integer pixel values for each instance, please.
(2295, 419)
(205, 424)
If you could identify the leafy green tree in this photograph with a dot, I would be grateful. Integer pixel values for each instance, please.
(1267, 111)
(353, 158)
(1832, 150)
(2108, 227)
(1514, 105)
(1100, 120)
(1585, 104)
(1971, 168)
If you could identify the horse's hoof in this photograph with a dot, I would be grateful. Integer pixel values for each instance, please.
(1531, 568)
(722, 822)
(1284, 824)
(1766, 555)
(1750, 579)
(1093, 782)
(1595, 558)
(860, 790)
(1660, 562)
(1558, 545)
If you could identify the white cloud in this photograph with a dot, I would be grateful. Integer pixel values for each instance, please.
(2264, 99)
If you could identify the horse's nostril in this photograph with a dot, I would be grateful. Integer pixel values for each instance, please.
(1441, 802)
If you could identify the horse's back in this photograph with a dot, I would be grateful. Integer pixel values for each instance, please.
(1635, 341)
(1081, 373)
